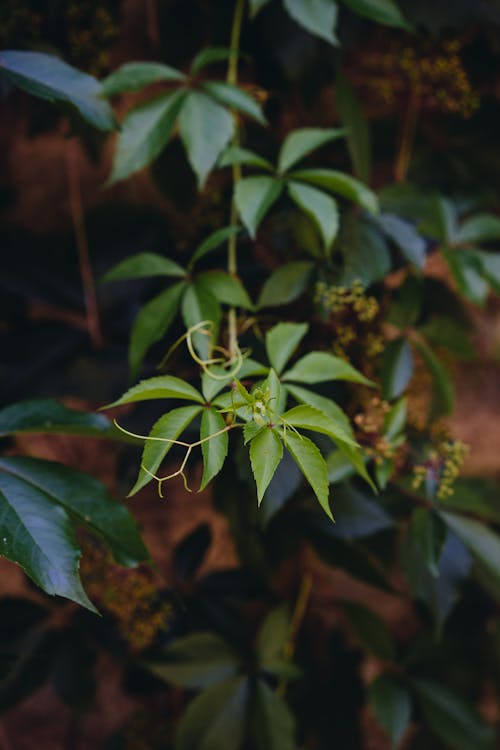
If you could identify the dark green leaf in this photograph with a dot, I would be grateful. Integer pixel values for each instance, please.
(84, 498)
(37, 535)
(481, 541)
(235, 98)
(143, 265)
(405, 309)
(212, 242)
(225, 288)
(254, 196)
(308, 418)
(215, 719)
(358, 515)
(319, 17)
(449, 333)
(318, 367)
(206, 128)
(366, 253)
(266, 451)
(490, 266)
(342, 184)
(444, 395)
(272, 722)
(211, 55)
(323, 404)
(137, 75)
(380, 11)
(299, 143)
(238, 155)
(370, 630)
(50, 78)
(49, 416)
(468, 274)
(170, 426)
(391, 704)
(429, 532)
(312, 465)
(479, 228)
(397, 368)
(214, 451)
(406, 237)
(272, 637)
(356, 125)
(144, 133)
(455, 722)
(199, 305)
(197, 661)
(285, 284)
(152, 323)
(320, 208)
(395, 420)
(281, 342)
(441, 220)
(256, 6)
(163, 386)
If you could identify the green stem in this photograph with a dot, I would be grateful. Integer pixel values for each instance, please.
(232, 78)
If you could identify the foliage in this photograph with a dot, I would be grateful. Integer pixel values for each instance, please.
(309, 434)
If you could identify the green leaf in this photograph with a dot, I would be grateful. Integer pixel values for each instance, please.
(367, 257)
(444, 394)
(137, 75)
(225, 288)
(320, 208)
(479, 228)
(212, 242)
(206, 128)
(254, 196)
(238, 155)
(406, 237)
(323, 404)
(281, 342)
(235, 98)
(162, 386)
(449, 333)
(266, 451)
(272, 722)
(370, 630)
(318, 367)
(143, 265)
(256, 6)
(307, 417)
(357, 515)
(214, 451)
(455, 722)
(212, 386)
(37, 535)
(397, 368)
(380, 11)
(490, 266)
(395, 420)
(441, 220)
(481, 541)
(406, 307)
(391, 703)
(144, 133)
(340, 183)
(49, 416)
(198, 305)
(211, 55)
(429, 532)
(285, 284)
(216, 718)
(272, 637)
(50, 78)
(170, 426)
(197, 661)
(312, 465)
(356, 126)
(84, 498)
(468, 274)
(299, 143)
(319, 17)
(152, 323)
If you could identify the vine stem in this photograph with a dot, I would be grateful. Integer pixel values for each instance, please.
(296, 623)
(77, 218)
(232, 78)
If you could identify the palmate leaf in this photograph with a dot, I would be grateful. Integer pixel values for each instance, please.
(144, 133)
(143, 265)
(212, 242)
(323, 404)
(49, 416)
(312, 465)
(205, 128)
(198, 305)
(226, 288)
(397, 368)
(299, 143)
(285, 284)
(215, 719)
(308, 418)
(319, 207)
(273, 724)
(266, 451)
(370, 630)
(50, 78)
(319, 367)
(170, 426)
(391, 703)
(254, 196)
(214, 451)
(235, 98)
(340, 183)
(381, 11)
(134, 76)
(281, 342)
